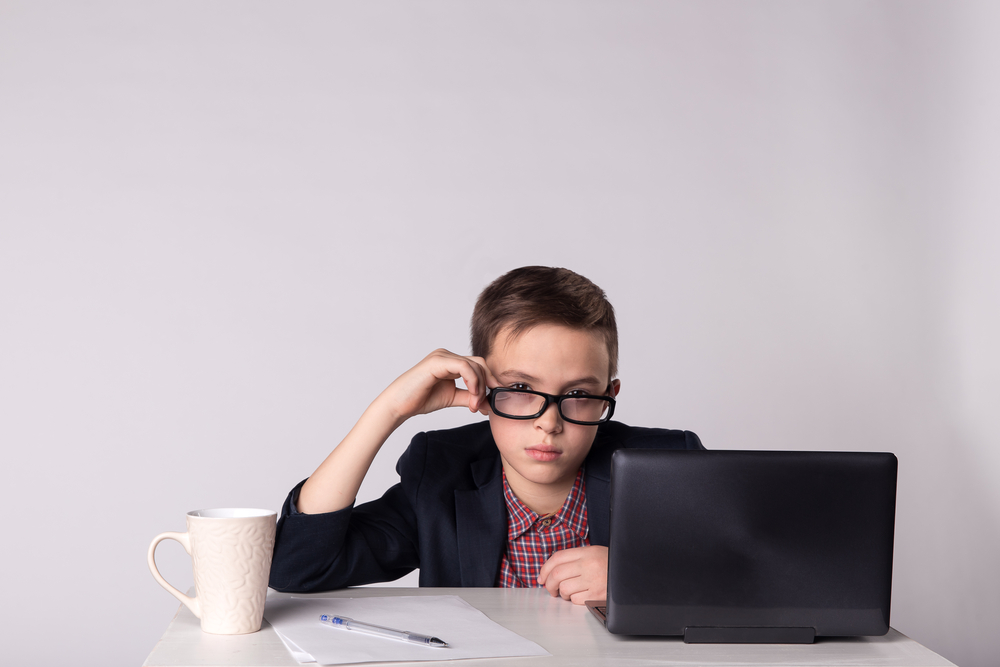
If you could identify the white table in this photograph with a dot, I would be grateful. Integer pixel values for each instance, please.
(569, 632)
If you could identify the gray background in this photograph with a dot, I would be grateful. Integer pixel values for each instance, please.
(227, 226)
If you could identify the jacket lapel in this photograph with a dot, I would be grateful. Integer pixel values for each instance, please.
(481, 522)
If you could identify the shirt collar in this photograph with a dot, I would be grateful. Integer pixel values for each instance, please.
(520, 518)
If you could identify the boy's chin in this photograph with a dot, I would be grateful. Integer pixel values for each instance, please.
(545, 474)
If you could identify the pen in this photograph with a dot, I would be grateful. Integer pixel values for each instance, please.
(379, 631)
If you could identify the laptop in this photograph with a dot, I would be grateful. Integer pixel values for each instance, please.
(750, 546)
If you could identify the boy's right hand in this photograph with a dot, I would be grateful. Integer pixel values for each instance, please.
(431, 386)
(428, 386)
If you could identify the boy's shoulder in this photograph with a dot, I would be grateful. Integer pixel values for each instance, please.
(466, 455)
(616, 434)
(471, 439)
(612, 436)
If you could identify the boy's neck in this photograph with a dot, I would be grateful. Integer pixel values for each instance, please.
(541, 499)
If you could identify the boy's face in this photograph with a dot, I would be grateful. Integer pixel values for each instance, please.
(547, 451)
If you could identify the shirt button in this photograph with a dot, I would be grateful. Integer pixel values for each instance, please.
(546, 522)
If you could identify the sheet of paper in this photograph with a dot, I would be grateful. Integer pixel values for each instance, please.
(468, 631)
(298, 654)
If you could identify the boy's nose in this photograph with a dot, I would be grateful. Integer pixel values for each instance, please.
(550, 421)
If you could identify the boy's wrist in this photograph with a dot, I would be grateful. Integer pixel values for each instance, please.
(382, 412)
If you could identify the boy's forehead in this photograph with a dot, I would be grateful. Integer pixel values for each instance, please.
(550, 352)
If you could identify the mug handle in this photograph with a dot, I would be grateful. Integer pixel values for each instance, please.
(185, 539)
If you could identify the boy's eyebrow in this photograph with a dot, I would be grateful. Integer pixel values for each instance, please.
(590, 379)
(517, 375)
(520, 376)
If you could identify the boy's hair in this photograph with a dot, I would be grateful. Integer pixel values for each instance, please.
(533, 295)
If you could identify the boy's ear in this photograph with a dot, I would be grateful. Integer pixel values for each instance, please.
(616, 386)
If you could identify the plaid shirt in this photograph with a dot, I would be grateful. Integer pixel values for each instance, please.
(531, 538)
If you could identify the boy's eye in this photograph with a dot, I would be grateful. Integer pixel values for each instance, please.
(521, 386)
(577, 392)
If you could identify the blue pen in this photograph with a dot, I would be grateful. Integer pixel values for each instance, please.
(346, 623)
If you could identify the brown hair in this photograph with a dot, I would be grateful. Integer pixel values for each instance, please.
(533, 295)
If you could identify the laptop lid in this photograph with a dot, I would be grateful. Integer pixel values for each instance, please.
(750, 546)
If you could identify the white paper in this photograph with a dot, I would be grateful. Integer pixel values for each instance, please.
(468, 631)
(300, 656)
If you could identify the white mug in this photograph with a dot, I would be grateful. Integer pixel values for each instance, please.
(230, 551)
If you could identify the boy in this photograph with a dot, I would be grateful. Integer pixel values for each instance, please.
(520, 500)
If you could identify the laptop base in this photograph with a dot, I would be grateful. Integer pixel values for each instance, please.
(749, 635)
(599, 608)
(726, 635)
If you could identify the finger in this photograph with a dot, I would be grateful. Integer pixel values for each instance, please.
(552, 586)
(460, 398)
(557, 581)
(451, 367)
(558, 558)
(476, 393)
(566, 571)
(582, 596)
(491, 380)
(570, 586)
(445, 365)
(474, 376)
(553, 581)
(486, 382)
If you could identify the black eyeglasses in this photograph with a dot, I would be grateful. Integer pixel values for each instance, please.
(581, 409)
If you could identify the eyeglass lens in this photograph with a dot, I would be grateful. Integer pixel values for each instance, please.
(517, 404)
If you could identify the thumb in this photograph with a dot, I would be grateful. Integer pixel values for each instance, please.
(461, 398)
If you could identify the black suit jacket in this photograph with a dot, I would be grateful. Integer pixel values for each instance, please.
(446, 516)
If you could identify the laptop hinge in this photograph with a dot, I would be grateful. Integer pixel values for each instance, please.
(734, 635)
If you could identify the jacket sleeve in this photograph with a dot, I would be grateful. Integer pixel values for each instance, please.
(373, 542)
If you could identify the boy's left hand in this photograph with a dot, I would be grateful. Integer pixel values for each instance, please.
(577, 575)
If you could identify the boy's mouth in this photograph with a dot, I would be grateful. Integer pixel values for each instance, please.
(543, 452)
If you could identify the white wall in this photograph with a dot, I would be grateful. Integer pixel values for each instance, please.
(225, 227)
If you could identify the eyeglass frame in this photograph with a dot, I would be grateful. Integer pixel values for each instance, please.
(549, 400)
